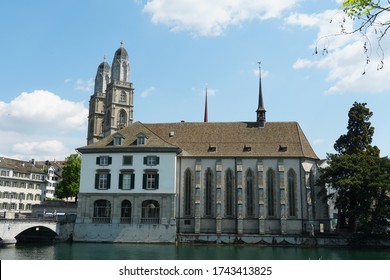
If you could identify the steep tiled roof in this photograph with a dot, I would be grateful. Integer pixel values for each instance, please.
(230, 139)
(19, 165)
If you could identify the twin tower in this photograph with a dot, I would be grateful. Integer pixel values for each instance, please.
(111, 105)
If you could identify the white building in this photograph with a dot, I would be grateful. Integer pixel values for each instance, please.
(21, 185)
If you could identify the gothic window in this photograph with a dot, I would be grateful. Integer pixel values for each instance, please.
(108, 118)
(249, 193)
(102, 211)
(122, 118)
(271, 192)
(292, 185)
(229, 191)
(122, 97)
(126, 212)
(208, 192)
(187, 192)
(150, 212)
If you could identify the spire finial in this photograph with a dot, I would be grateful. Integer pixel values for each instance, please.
(260, 109)
(122, 43)
(206, 116)
(104, 58)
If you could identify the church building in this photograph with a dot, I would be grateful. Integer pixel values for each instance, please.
(187, 181)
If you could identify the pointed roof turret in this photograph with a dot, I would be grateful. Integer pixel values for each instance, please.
(206, 115)
(260, 112)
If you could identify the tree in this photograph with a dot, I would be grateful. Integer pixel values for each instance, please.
(372, 20)
(359, 177)
(70, 183)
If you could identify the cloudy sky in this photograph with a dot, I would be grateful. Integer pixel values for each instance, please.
(50, 51)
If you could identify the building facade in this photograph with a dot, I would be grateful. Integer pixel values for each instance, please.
(156, 182)
(21, 186)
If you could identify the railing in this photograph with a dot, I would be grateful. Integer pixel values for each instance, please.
(101, 220)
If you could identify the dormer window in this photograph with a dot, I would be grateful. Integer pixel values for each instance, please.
(118, 140)
(141, 139)
(282, 148)
(247, 148)
(212, 148)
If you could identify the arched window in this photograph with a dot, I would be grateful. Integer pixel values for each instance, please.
(122, 118)
(102, 211)
(271, 192)
(108, 118)
(249, 193)
(208, 192)
(292, 188)
(229, 191)
(126, 212)
(187, 192)
(150, 212)
(122, 97)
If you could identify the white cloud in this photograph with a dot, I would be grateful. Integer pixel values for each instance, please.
(85, 86)
(147, 91)
(212, 18)
(41, 124)
(344, 59)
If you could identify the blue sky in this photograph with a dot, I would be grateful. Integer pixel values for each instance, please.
(50, 52)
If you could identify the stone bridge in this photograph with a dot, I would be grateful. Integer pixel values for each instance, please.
(13, 230)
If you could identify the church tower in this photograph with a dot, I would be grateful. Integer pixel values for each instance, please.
(111, 105)
(97, 103)
(119, 94)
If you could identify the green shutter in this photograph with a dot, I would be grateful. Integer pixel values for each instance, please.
(156, 181)
(96, 180)
(145, 160)
(109, 160)
(108, 181)
(132, 181)
(98, 160)
(144, 181)
(120, 181)
(157, 160)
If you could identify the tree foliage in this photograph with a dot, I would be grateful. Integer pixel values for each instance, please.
(359, 176)
(70, 184)
(372, 21)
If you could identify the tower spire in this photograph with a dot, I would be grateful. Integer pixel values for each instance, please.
(260, 112)
(206, 115)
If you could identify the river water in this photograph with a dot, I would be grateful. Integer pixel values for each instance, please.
(108, 251)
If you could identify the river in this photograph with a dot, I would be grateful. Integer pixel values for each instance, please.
(108, 251)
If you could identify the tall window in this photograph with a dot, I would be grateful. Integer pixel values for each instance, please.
(187, 192)
(150, 180)
(271, 192)
(122, 97)
(122, 118)
(249, 193)
(102, 211)
(208, 192)
(229, 193)
(126, 212)
(291, 192)
(126, 180)
(102, 181)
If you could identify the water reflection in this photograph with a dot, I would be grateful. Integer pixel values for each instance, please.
(105, 251)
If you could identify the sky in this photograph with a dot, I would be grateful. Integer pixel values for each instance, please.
(50, 51)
